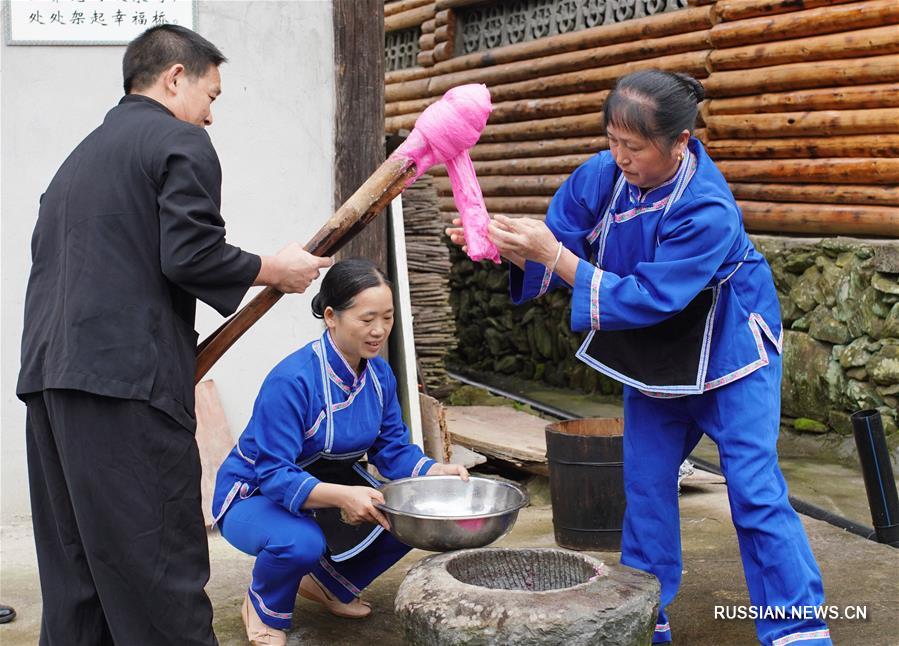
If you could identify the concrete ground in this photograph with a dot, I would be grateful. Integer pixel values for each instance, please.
(856, 572)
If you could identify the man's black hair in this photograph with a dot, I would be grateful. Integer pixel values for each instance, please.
(159, 48)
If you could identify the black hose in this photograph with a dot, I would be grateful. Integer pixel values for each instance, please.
(880, 485)
(801, 506)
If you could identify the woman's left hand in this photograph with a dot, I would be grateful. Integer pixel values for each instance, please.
(523, 237)
(439, 469)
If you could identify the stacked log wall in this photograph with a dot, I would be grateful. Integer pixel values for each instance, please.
(801, 115)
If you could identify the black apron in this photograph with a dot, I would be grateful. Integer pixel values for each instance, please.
(344, 541)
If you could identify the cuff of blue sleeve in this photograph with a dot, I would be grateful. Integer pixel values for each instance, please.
(422, 467)
(525, 285)
(302, 493)
(585, 303)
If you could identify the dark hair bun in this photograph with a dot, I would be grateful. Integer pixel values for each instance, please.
(318, 306)
(343, 282)
(694, 85)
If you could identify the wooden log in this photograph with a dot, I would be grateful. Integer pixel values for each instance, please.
(509, 186)
(795, 76)
(817, 193)
(426, 42)
(812, 22)
(444, 17)
(552, 147)
(803, 124)
(407, 19)
(392, 8)
(446, 33)
(403, 76)
(415, 107)
(875, 170)
(527, 166)
(864, 42)
(693, 63)
(885, 95)
(443, 51)
(406, 112)
(574, 126)
(455, 4)
(428, 26)
(820, 219)
(882, 145)
(573, 61)
(528, 204)
(665, 24)
(425, 59)
(557, 106)
(729, 10)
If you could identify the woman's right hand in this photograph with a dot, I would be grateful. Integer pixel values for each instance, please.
(357, 505)
(457, 236)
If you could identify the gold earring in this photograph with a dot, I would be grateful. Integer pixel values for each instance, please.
(680, 157)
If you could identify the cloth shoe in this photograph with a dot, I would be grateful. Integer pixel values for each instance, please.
(259, 633)
(311, 589)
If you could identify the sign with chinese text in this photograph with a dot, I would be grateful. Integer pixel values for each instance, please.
(90, 22)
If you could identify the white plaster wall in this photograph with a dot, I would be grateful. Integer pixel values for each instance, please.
(273, 130)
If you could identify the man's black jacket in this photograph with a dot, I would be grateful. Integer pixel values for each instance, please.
(128, 236)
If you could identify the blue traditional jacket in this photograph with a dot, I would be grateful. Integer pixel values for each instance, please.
(644, 257)
(312, 407)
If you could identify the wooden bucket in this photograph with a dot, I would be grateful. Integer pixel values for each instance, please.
(586, 482)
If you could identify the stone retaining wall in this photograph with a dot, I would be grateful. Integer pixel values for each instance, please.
(840, 306)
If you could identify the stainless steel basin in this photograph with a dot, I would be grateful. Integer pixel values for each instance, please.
(442, 513)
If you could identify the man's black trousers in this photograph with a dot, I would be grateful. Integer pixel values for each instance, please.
(118, 524)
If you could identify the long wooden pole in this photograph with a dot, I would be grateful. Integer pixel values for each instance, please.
(362, 207)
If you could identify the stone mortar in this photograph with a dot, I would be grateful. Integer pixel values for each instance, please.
(525, 597)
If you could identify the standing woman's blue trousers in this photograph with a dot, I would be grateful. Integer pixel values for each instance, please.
(743, 419)
(288, 547)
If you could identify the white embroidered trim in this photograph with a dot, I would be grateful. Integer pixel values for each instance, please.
(353, 551)
(544, 284)
(266, 610)
(595, 283)
(228, 500)
(418, 466)
(346, 583)
(663, 628)
(240, 453)
(801, 637)
(314, 429)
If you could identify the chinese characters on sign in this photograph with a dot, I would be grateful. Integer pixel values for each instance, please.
(89, 22)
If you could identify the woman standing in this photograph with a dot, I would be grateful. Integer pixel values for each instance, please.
(682, 310)
(292, 492)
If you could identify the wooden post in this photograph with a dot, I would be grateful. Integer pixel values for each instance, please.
(359, 112)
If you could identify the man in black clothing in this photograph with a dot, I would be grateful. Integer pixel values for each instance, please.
(108, 354)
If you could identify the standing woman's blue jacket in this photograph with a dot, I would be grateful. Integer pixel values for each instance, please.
(645, 257)
(312, 406)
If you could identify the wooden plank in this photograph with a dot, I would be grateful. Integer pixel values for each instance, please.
(359, 112)
(501, 432)
(403, 341)
(435, 433)
(213, 440)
